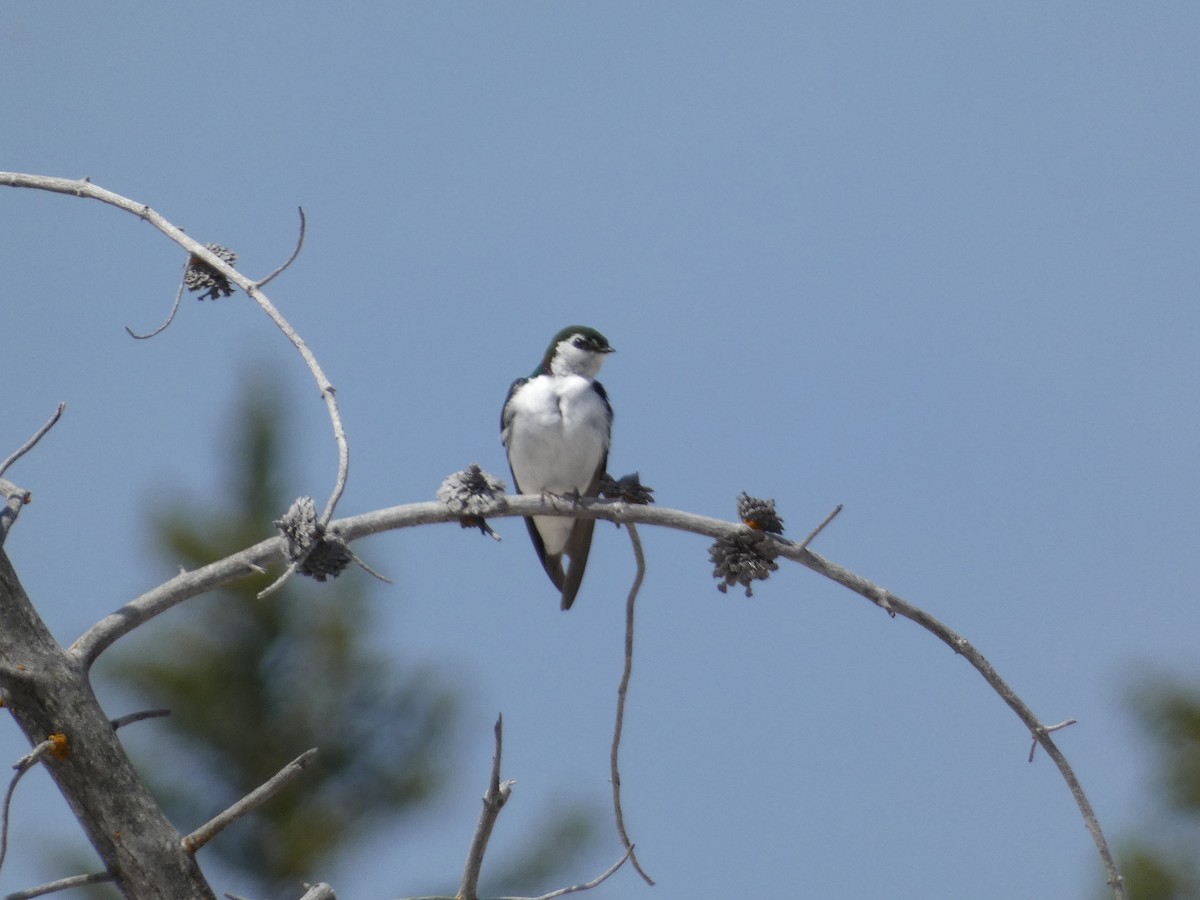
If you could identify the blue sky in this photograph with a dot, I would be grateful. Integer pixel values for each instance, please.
(934, 261)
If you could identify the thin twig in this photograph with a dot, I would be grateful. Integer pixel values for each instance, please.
(32, 442)
(561, 892)
(622, 691)
(377, 575)
(251, 801)
(829, 518)
(279, 582)
(1046, 729)
(327, 392)
(588, 885)
(291, 259)
(22, 765)
(61, 885)
(187, 261)
(493, 801)
(141, 716)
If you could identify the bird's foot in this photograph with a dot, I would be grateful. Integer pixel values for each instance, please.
(573, 497)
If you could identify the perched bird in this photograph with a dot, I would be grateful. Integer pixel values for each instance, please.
(556, 426)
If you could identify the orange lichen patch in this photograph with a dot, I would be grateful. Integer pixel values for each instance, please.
(59, 745)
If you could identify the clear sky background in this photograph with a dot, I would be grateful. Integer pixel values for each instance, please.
(934, 261)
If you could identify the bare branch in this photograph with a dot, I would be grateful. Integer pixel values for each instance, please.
(141, 716)
(622, 690)
(813, 536)
(22, 765)
(32, 442)
(174, 309)
(250, 802)
(183, 586)
(110, 629)
(493, 801)
(588, 885)
(1046, 729)
(279, 582)
(291, 259)
(61, 885)
(561, 892)
(49, 697)
(86, 189)
(15, 499)
(963, 647)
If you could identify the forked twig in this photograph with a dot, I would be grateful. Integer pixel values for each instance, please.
(1046, 729)
(493, 801)
(622, 691)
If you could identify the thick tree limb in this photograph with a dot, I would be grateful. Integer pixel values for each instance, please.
(48, 694)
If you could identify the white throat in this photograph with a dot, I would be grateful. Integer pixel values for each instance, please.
(571, 360)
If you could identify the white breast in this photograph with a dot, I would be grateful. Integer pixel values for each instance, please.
(557, 434)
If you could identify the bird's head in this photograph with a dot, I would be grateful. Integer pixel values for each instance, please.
(576, 350)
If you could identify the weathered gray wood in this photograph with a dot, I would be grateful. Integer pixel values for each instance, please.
(48, 693)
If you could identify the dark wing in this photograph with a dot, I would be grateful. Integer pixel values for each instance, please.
(599, 388)
(552, 564)
(505, 415)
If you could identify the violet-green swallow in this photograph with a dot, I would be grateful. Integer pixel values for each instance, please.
(557, 425)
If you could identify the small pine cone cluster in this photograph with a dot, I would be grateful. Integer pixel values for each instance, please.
(320, 554)
(743, 557)
(200, 276)
(627, 489)
(759, 514)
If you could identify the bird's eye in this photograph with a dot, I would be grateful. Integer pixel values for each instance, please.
(580, 342)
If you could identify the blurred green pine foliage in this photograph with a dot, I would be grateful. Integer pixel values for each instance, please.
(252, 683)
(1164, 863)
